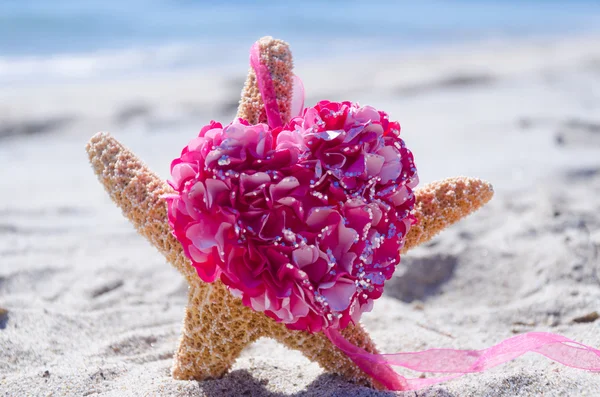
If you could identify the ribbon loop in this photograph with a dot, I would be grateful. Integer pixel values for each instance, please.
(266, 87)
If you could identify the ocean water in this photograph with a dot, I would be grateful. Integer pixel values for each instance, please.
(81, 39)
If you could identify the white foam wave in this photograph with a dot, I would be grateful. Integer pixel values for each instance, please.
(98, 64)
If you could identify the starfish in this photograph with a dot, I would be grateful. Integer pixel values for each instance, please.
(217, 326)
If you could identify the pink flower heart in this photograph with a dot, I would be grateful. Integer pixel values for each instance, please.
(304, 222)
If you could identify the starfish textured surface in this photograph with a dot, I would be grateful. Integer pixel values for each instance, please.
(443, 203)
(217, 326)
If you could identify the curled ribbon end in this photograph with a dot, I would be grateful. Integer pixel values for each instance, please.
(460, 362)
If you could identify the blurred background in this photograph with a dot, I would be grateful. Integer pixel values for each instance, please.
(68, 39)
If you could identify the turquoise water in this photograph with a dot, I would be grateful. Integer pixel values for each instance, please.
(90, 38)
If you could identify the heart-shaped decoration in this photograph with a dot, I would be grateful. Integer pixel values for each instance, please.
(304, 222)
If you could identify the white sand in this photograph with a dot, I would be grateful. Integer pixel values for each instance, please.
(93, 309)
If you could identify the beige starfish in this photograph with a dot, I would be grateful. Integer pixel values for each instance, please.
(217, 326)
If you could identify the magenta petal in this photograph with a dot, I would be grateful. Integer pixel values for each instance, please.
(196, 144)
(180, 173)
(390, 172)
(236, 132)
(400, 196)
(340, 294)
(366, 114)
(260, 303)
(392, 166)
(196, 192)
(283, 188)
(353, 132)
(284, 314)
(195, 202)
(347, 260)
(376, 214)
(290, 139)
(213, 156)
(318, 217)
(329, 135)
(212, 132)
(299, 307)
(290, 202)
(249, 183)
(272, 226)
(208, 271)
(197, 255)
(201, 236)
(358, 167)
(214, 188)
(220, 237)
(375, 129)
(334, 160)
(311, 117)
(374, 164)
(317, 270)
(358, 217)
(346, 237)
(412, 183)
(305, 255)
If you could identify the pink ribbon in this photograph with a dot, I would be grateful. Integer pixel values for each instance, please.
(460, 362)
(297, 97)
(266, 87)
(267, 90)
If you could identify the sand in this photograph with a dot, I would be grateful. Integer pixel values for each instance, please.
(90, 308)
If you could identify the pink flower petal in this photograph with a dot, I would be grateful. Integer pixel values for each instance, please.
(339, 295)
(201, 236)
(214, 189)
(321, 216)
(180, 173)
(283, 188)
(305, 255)
(374, 164)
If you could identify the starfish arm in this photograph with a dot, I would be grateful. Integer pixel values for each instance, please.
(216, 328)
(277, 56)
(138, 192)
(443, 203)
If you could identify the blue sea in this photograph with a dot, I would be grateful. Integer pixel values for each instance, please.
(82, 39)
